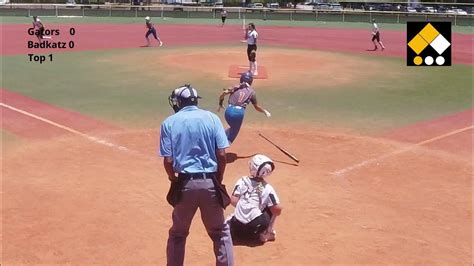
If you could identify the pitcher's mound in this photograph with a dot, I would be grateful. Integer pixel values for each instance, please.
(235, 71)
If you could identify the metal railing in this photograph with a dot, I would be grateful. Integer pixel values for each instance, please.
(164, 11)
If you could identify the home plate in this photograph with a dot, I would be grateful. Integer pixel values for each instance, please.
(235, 71)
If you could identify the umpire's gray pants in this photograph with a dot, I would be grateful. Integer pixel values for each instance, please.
(199, 193)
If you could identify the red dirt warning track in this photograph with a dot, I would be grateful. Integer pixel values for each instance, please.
(432, 128)
(460, 143)
(22, 121)
(113, 36)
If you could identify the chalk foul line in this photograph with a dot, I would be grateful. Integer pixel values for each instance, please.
(402, 150)
(71, 130)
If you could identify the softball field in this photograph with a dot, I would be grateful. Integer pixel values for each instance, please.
(385, 172)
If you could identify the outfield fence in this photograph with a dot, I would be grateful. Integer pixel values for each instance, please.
(166, 11)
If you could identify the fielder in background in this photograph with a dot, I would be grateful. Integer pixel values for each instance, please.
(251, 36)
(256, 204)
(151, 30)
(37, 24)
(223, 16)
(376, 36)
(240, 96)
(193, 143)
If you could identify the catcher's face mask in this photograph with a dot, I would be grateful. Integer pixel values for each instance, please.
(261, 166)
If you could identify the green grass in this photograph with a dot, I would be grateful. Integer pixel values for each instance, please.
(76, 81)
(81, 82)
(260, 22)
(96, 84)
(382, 104)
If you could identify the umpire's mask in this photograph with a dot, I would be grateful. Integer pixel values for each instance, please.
(183, 96)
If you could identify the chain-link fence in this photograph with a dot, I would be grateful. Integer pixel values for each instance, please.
(164, 11)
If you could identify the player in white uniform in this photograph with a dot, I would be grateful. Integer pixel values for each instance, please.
(251, 37)
(256, 204)
(223, 16)
(376, 36)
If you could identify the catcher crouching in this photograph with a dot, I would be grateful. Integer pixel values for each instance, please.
(256, 204)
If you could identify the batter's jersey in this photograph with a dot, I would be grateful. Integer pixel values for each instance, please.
(254, 197)
(242, 96)
(252, 36)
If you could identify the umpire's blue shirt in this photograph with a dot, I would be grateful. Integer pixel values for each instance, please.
(191, 137)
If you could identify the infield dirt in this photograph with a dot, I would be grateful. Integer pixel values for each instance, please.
(102, 205)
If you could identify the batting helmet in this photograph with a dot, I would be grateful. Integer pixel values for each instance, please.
(261, 166)
(246, 77)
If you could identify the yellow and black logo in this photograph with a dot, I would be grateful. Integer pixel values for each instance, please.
(429, 43)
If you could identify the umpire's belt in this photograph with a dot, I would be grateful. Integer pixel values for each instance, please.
(191, 176)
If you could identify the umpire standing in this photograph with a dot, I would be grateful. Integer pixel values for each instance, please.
(193, 142)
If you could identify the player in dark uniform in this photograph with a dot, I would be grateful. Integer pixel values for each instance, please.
(240, 96)
(376, 36)
(37, 24)
(151, 30)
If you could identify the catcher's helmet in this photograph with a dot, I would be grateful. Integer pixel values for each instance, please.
(261, 166)
(183, 96)
(246, 77)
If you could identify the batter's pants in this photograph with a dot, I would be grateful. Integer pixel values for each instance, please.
(234, 115)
